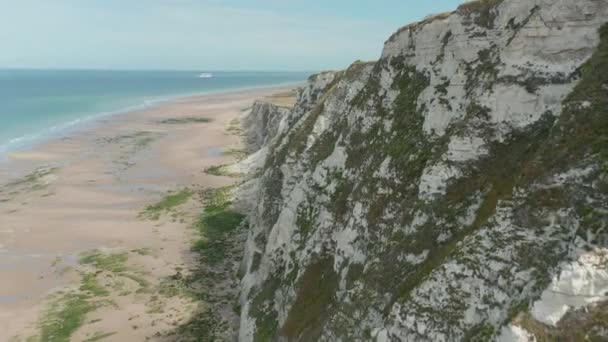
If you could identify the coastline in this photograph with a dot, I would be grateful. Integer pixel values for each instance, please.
(33, 140)
(87, 196)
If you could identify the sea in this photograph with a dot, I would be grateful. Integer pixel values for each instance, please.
(36, 105)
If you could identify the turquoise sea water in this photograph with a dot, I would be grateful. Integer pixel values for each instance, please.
(38, 104)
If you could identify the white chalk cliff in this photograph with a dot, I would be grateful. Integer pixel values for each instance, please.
(456, 189)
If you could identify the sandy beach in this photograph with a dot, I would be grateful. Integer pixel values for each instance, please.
(79, 222)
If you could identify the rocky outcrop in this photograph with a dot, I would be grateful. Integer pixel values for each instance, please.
(456, 189)
(262, 124)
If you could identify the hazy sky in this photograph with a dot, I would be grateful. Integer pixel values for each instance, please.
(201, 34)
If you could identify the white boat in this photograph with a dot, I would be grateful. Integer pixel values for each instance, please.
(205, 75)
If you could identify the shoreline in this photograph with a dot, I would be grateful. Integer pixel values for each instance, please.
(88, 122)
(82, 203)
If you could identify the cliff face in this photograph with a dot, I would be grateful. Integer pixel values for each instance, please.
(456, 189)
(263, 123)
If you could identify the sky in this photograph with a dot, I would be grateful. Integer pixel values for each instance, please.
(306, 35)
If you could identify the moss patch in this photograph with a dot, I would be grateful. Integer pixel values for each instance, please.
(316, 294)
(262, 309)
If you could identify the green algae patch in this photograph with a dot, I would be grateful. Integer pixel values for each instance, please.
(34, 177)
(91, 285)
(211, 283)
(65, 314)
(234, 127)
(206, 325)
(237, 153)
(176, 285)
(183, 121)
(114, 263)
(167, 204)
(40, 179)
(143, 251)
(216, 225)
(98, 336)
(221, 171)
(131, 144)
(66, 311)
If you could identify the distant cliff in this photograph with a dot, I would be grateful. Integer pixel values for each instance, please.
(456, 189)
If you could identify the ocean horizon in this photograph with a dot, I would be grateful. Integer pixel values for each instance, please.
(40, 104)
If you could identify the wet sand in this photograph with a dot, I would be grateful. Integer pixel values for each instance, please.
(86, 193)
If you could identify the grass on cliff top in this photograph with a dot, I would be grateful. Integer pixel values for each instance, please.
(168, 203)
